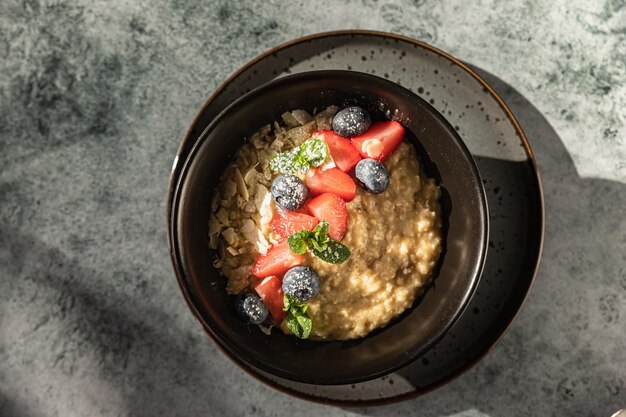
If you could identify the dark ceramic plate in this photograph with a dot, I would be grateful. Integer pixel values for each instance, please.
(464, 213)
(506, 165)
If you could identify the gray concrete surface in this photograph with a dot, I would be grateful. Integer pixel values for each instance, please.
(94, 98)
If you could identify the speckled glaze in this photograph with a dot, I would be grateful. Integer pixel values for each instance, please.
(506, 166)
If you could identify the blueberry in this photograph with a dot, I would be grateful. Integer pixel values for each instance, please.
(373, 175)
(289, 192)
(302, 283)
(251, 308)
(351, 121)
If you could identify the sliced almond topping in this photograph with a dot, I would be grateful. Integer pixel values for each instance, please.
(222, 216)
(250, 207)
(213, 241)
(248, 230)
(230, 189)
(261, 244)
(298, 135)
(250, 177)
(259, 197)
(257, 142)
(241, 185)
(301, 117)
(277, 145)
(229, 235)
(266, 210)
(290, 119)
(324, 118)
(241, 160)
(215, 202)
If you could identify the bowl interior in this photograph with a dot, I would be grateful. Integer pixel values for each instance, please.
(463, 207)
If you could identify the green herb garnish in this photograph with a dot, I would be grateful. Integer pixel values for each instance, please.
(297, 319)
(312, 153)
(319, 243)
(335, 252)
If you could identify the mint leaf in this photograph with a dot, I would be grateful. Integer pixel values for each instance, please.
(316, 246)
(305, 325)
(313, 152)
(321, 230)
(298, 241)
(287, 302)
(297, 319)
(318, 242)
(283, 163)
(334, 253)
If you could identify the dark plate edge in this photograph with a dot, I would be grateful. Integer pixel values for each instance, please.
(181, 156)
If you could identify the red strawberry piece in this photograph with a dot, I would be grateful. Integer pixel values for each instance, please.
(332, 180)
(331, 207)
(271, 292)
(286, 223)
(344, 154)
(278, 259)
(380, 140)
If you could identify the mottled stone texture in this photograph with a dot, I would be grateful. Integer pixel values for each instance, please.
(94, 98)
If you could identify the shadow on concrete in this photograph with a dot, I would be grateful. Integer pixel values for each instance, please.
(562, 355)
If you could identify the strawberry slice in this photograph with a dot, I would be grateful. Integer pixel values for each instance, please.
(277, 261)
(380, 140)
(286, 223)
(271, 292)
(332, 180)
(331, 207)
(344, 154)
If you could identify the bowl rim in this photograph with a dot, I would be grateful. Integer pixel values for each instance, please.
(174, 191)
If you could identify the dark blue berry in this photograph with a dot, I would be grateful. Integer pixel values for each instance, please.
(251, 308)
(373, 175)
(351, 121)
(302, 283)
(289, 192)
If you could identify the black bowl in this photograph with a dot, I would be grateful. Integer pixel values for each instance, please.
(195, 176)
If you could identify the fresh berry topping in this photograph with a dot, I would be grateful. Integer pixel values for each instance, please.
(341, 150)
(271, 292)
(380, 140)
(351, 121)
(278, 259)
(332, 208)
(302, 283)
(286, 223)
(289, 192)
(251, 308)
(373, 175)
(331, 180)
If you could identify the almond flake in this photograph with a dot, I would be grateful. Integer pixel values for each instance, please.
(250, 177)
(229, 235)
(222, 216)
(241, 185)
(230, 189)
(301, 117)
(250, 207)
(290, 119)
